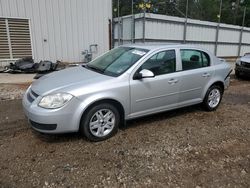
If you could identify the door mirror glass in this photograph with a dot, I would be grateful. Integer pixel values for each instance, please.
(146, 74)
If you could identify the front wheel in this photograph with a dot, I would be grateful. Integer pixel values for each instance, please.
(213, 98)
(100, 122)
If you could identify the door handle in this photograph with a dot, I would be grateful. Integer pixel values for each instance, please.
(173, 81)
(206, 75)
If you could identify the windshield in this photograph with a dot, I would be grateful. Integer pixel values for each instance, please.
(117, 61)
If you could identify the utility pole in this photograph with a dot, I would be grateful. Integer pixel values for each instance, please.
(241, 31)
(119, 24)
(244, 17)
(217, 29)
(185, 26)
(219, 20)
(236, 11)
(132, 22)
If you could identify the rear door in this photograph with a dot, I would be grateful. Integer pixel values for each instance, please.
(195, 75)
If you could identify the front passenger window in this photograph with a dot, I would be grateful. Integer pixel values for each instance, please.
(161, 63)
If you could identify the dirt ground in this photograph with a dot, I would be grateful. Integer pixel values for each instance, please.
(16, 78)
(183, 148)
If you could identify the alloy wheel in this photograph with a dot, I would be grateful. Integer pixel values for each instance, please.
(214, 98)
(102, 122)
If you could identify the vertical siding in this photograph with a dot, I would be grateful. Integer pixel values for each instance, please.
(126, 25)
(200, 33)
(245, 49)
(246, 37)
(61, 29)
(169, 29)
(227, 50)
(138, 29)
(227, 35)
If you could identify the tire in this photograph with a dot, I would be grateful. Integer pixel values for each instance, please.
(237, 74)
(213, 98)
(102, 128)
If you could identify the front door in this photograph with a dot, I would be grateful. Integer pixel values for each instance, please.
(149, 95)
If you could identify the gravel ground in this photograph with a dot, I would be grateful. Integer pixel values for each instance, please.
(12, 91)
(182, 148)
(6, 78)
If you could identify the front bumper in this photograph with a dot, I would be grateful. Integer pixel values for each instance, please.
(242, 69)
(227, 82)
(52, 121)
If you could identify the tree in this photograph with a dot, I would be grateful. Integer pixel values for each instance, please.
(208, 10)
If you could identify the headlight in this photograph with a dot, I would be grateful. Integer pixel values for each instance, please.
(55, 100)
(238, 62)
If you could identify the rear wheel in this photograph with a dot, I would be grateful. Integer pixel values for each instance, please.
(100, 122)
(213, 98)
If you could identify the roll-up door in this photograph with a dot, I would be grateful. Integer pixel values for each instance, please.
(4, 45)
(15, 40)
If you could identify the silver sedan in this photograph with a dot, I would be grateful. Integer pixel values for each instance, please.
(125, 83)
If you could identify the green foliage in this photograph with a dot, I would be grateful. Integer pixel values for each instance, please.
(208, 10)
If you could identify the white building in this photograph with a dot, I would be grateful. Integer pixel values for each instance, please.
(54, 29)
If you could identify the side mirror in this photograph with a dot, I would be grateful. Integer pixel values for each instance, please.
(144, 74)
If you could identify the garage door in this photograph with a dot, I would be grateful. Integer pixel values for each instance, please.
(15, 40)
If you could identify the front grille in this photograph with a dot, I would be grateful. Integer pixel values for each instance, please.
(46, 127)
(34, 94)
(245, 64)
(31, 96)
(30, 99)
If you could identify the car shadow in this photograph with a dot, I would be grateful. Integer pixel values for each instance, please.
(242, 78)
(143, 121)
(161, 116)
(58, 138)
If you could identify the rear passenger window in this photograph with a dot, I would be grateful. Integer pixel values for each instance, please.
(205, 59)
(193, 59)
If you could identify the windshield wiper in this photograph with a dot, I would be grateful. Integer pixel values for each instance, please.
(96, 69)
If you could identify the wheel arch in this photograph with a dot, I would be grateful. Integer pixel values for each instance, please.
(214, 82)
(220, 84)
(114, 102)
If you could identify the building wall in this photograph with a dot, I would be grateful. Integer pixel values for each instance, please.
(62, 29)
(155, 28)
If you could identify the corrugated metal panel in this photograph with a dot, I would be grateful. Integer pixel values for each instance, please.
(126, 25)
(246, 37)
(138, 29)
(226, 35)
(200, 33)
(209, 47)
(61, 29)
(227, 50)
(168, 29)
(4, 45)
(160, 30)
(245, 49)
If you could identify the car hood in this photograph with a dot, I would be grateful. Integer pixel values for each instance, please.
(67, 78)
(245, 59)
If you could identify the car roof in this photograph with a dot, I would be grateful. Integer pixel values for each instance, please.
(160, 46)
